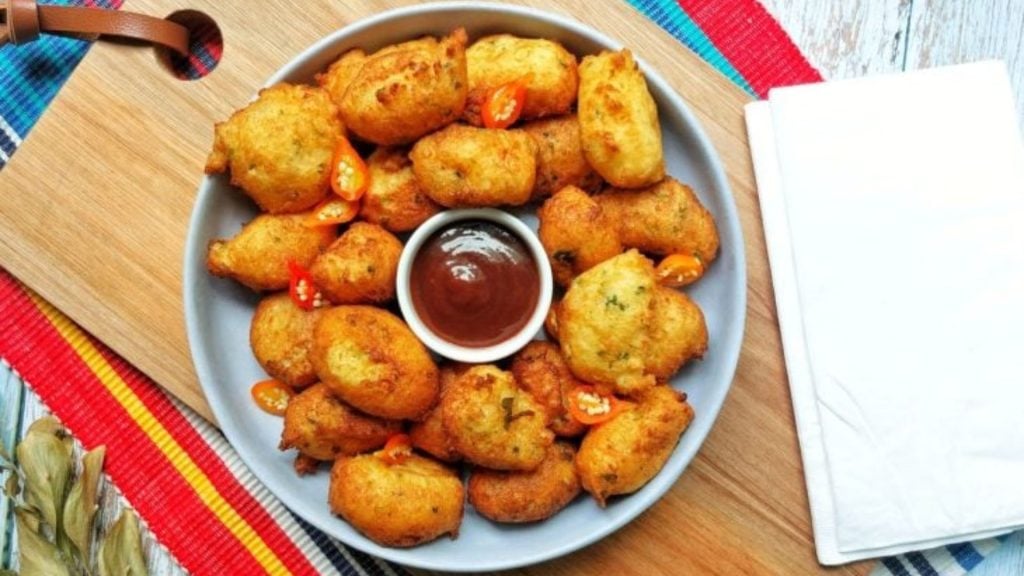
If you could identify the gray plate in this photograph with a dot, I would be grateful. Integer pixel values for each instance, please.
(218, 312)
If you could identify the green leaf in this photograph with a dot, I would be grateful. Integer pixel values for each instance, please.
(120, 551)
(37, 556)
(80, 508)
(46, 465)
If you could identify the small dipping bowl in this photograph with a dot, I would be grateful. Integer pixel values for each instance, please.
(491, 351)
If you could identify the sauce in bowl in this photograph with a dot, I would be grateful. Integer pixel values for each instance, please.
(474, 283)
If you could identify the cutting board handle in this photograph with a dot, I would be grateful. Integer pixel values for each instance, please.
(23, 21)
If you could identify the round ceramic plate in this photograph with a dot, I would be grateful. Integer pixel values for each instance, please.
(218, 311)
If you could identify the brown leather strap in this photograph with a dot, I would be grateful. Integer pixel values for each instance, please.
(25, 20)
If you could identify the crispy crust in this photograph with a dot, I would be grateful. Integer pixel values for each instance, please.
(359, 267)
(527, 496)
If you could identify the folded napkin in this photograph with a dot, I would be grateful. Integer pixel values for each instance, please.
(893, 210)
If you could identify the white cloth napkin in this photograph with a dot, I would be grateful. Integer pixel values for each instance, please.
(893, 211)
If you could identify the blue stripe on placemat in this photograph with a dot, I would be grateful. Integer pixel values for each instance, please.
(965, 554)
(895, 567)
(920, 563)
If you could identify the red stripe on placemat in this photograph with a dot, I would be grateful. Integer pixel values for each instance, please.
(170, 506)
(749, 37)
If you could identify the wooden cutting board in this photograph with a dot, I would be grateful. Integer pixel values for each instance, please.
(94, 209)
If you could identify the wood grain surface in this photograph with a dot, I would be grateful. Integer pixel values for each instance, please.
(95, 209)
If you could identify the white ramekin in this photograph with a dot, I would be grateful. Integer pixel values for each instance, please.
(464, 353)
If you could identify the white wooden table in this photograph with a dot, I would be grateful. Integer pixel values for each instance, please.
(843, 39)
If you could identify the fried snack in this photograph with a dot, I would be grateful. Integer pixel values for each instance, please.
(370, 359)
(340, 74)
(547, 70)
(527, 496)
(493, 423)
(551, 320)
(462, 166)
(619, 121)
(394, 199)
(429, 434)
(278, 148)
(679, 334)
(323, 427)
(405, 91)
(258, 256)
(281, 336)
(604, 323)
(576, 234)
(623, 454)
(540, 370)
(400, 505)
(305, 465)
(560, 160)
(359, 267)
(666, 218)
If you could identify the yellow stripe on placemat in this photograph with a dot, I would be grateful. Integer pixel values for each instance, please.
(161, 437)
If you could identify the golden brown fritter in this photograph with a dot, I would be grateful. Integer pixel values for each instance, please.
(281, 336)
(551, 320)
(340, 74)
(666, 218)
(618, 327)
(540, 370)
(429, 434)
(493, 423)
(394, 199)
(462, 166)
(623, 454)
(678, 335)
(370, 359)
(560, 160)
(576, 233)
(619, 121)
(527, 496)
(604, 322)
(397, 505)
(278, 148)
(547, 70)
(258, 256)
(323, 427)
(359, 267)
(405, 91)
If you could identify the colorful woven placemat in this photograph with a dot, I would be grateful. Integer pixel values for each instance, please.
(177, 470)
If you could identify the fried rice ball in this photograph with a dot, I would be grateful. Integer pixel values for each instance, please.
(370, 359)
(527, 496)
(359, 267)
(323, 427)
(666, 218)
(679, 334)
(540, 370)
(258, 256)
(429, 434)
(405, 91)
(604, 323)
(576, 233)
(493, 423)
(340, 74)
(547, 70)
(619, 121)
(399, 505)
(278, 148)
(462, 166)
(623, 454)
(560, 160)
(281, 336)
(394, 199)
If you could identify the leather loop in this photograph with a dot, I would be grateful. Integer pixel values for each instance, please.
(26, 19)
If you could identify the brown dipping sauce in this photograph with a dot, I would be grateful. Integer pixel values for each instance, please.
(474, 283)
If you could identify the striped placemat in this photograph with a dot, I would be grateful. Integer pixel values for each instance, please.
(178, 472)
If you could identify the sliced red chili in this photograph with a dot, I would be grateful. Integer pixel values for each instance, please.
(272, 396)
(397, 449)
(504, 104)
(301, 287)
(588, 406)
(349, 174)
(333, 210)
(679, 270)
